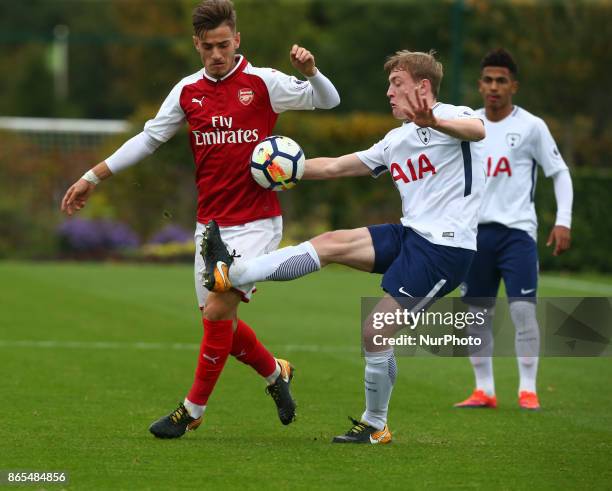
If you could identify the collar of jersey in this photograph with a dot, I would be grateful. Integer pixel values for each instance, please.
(240, 64)
(511, 115)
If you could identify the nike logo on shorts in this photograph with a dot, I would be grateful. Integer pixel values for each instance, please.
(527, 292)
(404, 292)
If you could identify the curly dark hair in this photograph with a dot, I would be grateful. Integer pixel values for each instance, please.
(501, 58)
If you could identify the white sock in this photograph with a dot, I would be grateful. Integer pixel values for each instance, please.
(380, 374)
(274, 375)
(528, 373)
(483, 373)
(194, 410)
(526, 342)
(482, 358)
(283, 264)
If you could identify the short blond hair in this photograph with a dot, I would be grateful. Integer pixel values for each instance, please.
(419, 65)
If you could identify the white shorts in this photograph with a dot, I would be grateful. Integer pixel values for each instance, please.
(249, 240)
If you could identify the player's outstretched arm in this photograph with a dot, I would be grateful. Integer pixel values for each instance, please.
(130, 153)
(465, 129)
(78, 194)
(418, 110)
(331, 168)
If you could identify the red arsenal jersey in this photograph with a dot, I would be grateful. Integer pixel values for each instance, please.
(227, 117)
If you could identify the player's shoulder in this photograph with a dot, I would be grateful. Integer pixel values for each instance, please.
(527, 118)
(178, 90)
(276, 81)
(191, 79)
(265, 73)
(450, 111)
(397, 132)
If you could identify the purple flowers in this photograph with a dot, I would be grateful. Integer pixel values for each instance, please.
(81, 235)
(172, 233)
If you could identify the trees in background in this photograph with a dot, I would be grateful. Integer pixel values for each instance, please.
(125, 55)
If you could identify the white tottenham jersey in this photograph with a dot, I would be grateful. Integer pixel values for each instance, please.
(513, 148)
(440, 178)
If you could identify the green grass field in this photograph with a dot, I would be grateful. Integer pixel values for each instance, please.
(91, 354)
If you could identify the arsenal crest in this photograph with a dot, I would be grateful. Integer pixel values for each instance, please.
(245, 96)
(513, 139)
(424, 135)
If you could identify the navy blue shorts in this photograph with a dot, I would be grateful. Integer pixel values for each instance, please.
(414, 267)
(506, 253)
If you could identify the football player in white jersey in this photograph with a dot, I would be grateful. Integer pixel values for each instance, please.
(229, 106)
(516, 143)
(435, 164)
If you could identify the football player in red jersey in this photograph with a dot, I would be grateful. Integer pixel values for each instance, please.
(230, 106)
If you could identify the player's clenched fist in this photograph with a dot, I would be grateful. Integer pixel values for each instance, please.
(303, 60)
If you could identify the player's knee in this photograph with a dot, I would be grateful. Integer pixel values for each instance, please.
(375, 340)
(331, 246)
(215, 311)
(523, 314)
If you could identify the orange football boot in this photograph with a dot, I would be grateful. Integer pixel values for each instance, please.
(478, 399)
(529, 400)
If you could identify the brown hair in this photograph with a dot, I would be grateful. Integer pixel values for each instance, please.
(210, 14)
(419, 65)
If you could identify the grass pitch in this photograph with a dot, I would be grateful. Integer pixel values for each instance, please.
(91, 354)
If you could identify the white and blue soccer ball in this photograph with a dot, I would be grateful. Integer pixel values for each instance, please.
(277, 163)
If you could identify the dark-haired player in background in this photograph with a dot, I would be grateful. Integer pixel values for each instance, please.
(516, 143)
(230, 106)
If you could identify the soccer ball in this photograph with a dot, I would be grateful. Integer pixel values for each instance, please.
(277, 163)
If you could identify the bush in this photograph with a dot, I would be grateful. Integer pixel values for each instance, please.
(591, 223)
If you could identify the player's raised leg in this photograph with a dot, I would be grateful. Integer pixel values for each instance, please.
(351, 248)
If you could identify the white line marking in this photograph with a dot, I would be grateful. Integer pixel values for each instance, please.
(576, 285)
(114, 345)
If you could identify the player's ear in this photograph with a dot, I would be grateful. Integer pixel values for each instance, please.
(514, 86)
(237, 40)
(425, 86)
(196, 45)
